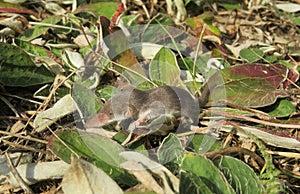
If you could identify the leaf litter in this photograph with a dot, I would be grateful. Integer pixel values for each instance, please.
(259, 41)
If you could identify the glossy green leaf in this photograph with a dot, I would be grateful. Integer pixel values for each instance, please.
(162, 19)
(251, 54)
(86, 100)
(18, 69)
(191, 183)
(107, 92)
(164, 68)
(38, 30)
(284, 109)
(104, 148)
(170, 150)
(203, 143)
(296, 20)
(242, 178)
(99, 150)
(232, 6)
(106, 9)
(34, 49)
(208, 172)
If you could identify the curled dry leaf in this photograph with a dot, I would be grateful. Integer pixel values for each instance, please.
(13, 21)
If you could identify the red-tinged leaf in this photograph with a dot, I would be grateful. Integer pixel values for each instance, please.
(13, 8)
(292, 77)
(250, 92)
(273, 73)
(253, 85)
(117, 14)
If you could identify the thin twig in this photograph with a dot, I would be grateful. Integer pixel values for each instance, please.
(258, 113)
(17, 176)
(23, 137)
(20, 146)
(285, 154)
(53, 26)
(13, 118)
(230, 150)
(19, 97)
(10, 106)
(250, 119)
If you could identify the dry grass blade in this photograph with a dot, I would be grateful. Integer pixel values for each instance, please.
(17, 176)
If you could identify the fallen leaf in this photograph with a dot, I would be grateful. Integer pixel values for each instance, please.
(289, 7)
(61, 108)
(149, 165)
(84, 177)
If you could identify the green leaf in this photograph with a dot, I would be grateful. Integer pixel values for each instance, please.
(86, 100)
(271, 58)
(18, 69)
(203, 143)
(107, 92)
(170, 150)
(296, 20)
(162, 19)
(38, 30)
(251, 54)
(232, 6)
(191, 183)
(284, 109)
(164, 68)
(104, 148)
(241, 177)
(208, 172)
(99, 150)
(106, 9)
(34, 49)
